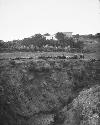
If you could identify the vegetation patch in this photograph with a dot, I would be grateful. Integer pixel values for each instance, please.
(49, 92)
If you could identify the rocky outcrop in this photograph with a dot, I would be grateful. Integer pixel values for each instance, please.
(85, 108)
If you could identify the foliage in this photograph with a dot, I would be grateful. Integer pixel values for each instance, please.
(60, 36)
(2, 45)
(39, 42)
(33, 89)
(46, 34)
(97, 35)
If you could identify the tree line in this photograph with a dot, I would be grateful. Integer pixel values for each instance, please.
(38, 42)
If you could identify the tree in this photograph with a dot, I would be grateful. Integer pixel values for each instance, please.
(2, 44)
(79, 45)
(76, 36)
(90, 36)
(36, 40)
(46, 34)
(60, 36)
(39, 40)
(97, 35)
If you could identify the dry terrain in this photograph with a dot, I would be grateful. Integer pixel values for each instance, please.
(49, 92)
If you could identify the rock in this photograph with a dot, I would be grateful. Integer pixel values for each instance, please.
(85, 107)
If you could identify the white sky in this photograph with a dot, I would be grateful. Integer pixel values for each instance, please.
(24, 18)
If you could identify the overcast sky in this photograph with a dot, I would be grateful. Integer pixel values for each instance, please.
(24, 18)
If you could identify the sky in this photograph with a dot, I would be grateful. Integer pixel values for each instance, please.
(23, 18)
